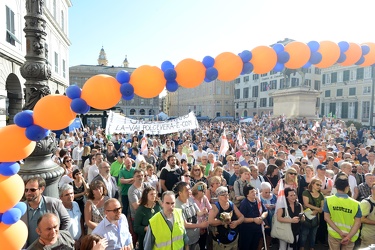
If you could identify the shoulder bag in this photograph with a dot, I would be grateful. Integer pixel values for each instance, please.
(282, 230)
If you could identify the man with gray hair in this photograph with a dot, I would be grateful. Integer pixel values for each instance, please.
(365, 187)
(110, 181)
(66, 194)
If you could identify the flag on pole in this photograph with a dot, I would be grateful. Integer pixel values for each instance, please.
(281, 200)
(316, 126)
(222, 125)
(241, 142)
(144, 144)
(224, 146)
(258, 144)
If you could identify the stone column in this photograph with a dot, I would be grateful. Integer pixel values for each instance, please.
(36, 71)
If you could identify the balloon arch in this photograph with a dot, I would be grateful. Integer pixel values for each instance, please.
(55, 112)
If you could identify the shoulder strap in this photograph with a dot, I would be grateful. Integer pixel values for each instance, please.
(372, 204)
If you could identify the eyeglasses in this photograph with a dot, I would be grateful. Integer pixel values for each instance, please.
(247, 155)
(197, 170)
(116, 210)
(224, 194)
(304, 162)
(231, 160)
(68, 160)
(293, 173)
(187, 176)
(33, 190)
(319, 185)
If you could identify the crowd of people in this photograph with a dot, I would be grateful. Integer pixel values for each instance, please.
(221, 186)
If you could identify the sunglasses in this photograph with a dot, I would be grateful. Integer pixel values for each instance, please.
(293, 173)
(197, 170)
(116, 210)
(33, 190)
(187, 176)
(319, 185)
(68, 160)
(304, 162)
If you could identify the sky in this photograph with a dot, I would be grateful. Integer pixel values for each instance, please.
(152, 31)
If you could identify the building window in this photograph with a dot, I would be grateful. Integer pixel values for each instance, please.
(238, 80)
(255, 105)
(360, 73)
(327, 78)
(273, 84)
(308, 82)
(132, 112)
(352, 91)
(317, 102)
(263, 102)
(142, 112)
(365, 110)
(366, 90)
(63, 67)
(317, 85)
(327, 93)
(282, 83)
(272, 72)
(264, 86)
(62, 21)
(54, 9)
(262, 75)
(255, 91)
(246, 93)
(353, 74)
(368, 72)
(339, 92)
(151, 101)
(255, 77)
(346, 75)
(56, 62)
(246, 78)
(237, 94)
(334, 77)
(237, 105)
(218, 89)
(295, 82)
(318, 71)
(270, 101)
(10, 30)
(151, 112)
(245, 105)
(227, 90)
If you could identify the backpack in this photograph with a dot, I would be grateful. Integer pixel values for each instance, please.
(372, 204)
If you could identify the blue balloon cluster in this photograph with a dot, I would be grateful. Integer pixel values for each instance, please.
(126, 89)
(315, 56)
(9, 168)
(247, 66)
(33, 132)
(14, 214)
(344, 46)
(170, 76)
(282, 57)
(211, 73)
(78, 105)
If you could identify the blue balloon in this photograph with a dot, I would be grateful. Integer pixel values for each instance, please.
(127, 89)
(365, 49)
(36, 133)
(24, 119)
(128, 98)
(246, 56)
(342, 57)
(166, 65)
(73, 91)
(78, 105)
(170, 75)
(87, 109)
(211, 73)
(11, 216)
(313, 45)
(123, 76)
(21, 206)
(278, 47)
(247, 68)
(208, 61)
(283, 57)
(278, 67)
(171, 86)
(360, 61)
(315, 57)
(307, 65)
(9, 168)
(344, 46)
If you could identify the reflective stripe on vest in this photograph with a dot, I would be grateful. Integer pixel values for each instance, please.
(344, 220)
(164, 237)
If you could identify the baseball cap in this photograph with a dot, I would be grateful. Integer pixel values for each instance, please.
(321, 167)
(121, 154)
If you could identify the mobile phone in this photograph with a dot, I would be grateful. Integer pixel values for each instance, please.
(300, 215)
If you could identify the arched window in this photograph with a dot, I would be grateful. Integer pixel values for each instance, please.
(132, 112)
(151, 112)
(245, 113)
(142, 112)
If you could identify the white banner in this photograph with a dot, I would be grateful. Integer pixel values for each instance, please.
(118, 123)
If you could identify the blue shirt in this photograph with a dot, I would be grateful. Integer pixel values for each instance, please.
(75, 221)
(117, 236)
(33, 215)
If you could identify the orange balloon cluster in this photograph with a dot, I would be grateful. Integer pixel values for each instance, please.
(228, 65)
(14, 144)
(190, 73)
(370, 57)
(13, 237)
(330, 54)
(299, 55)
(101, 92)
(352, 54)
(264, 59)
(148, 81)
(12, 189)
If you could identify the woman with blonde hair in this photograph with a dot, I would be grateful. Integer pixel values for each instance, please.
(290, 180)
(215, 183)
(85, 155)
(196, 175)
(198, 192)
(218, 171)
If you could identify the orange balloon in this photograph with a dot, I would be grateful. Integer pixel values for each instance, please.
(299, 54)
(370, 57)
(330, 54)
(228, 65)
(14, 144)
(11, 191)
(53, 112)
(264, 59)
(190, 73)
(101, 91)
(148, 81)
(352, 54)
(13, 237)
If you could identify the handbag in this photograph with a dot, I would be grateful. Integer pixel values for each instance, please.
(282, 230)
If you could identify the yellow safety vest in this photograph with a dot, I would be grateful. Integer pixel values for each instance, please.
(342, 212)
(164, 237)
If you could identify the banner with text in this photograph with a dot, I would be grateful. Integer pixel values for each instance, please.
(119, 123)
